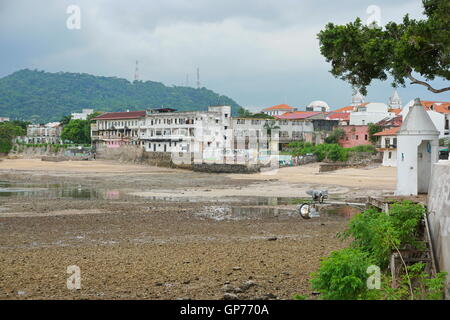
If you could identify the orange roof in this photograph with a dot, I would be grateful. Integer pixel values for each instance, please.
(339, 116)
(388, 132)
(438, 106)
(279, 107)
(344, 109)
(396, 111)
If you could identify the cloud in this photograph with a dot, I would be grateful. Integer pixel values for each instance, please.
(259, 52)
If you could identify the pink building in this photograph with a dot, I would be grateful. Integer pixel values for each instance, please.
(355, 135)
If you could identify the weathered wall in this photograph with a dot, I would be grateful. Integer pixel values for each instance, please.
(35, 152)
(439, 215)
(135, 154)
(226, 168)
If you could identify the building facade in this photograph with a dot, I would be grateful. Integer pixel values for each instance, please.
(49, 133)
(354, 136)
(387, 144)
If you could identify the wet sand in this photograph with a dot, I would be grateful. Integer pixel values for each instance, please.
(141, 248)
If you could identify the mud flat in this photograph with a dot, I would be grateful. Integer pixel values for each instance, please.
(131, 245)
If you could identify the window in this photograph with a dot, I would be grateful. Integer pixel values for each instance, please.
(357, 137)
(390, 155)
(365, 137)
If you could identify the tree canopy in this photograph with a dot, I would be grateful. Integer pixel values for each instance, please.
(360, 53)
(41, 96)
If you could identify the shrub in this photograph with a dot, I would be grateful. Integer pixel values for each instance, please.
(378, 233)
(343, 275)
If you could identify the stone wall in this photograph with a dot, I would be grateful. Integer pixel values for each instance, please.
(135, 154)
(439, 215)
(226, 168)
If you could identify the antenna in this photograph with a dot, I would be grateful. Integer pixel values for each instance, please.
(136, 72)
(198, 78)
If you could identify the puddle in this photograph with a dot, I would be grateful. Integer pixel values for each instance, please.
(221, 213)
(53, 191)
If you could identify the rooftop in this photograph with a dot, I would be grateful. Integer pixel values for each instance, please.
(298, 115)
(121, 115)
(388, 132)
(279, 107)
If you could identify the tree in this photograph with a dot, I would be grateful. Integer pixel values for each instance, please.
(77, 131)
(372, 129)
(361, 53)
(65, 120)
(244, 113)
(336, 135)
(8, 131)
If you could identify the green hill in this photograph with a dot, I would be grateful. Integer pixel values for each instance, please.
(40, 96)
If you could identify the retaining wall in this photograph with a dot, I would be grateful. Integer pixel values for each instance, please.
(439, 215)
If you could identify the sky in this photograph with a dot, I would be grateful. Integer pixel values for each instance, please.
(258, 52)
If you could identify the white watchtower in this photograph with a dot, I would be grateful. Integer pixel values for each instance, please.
(417, 150)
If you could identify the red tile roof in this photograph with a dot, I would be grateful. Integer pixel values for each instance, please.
(121, 115)
(298, 115)
(438, 106)
(344, 109)
(391, 122)
(279, 107)
(388, 132)
(338, 116)
(396, 111)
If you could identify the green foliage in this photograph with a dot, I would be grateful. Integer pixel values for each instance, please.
(359, 53)
(363, 148)
(333, 152)
(243, 113)
(378, 233)
(336, 135)
(42, 96)
(343, 275)
(424, 286)
(373, 128)
(77, 131)
(375, 236)
(299, 297)
(8, 131)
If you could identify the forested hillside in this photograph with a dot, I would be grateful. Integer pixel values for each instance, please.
(41, 96)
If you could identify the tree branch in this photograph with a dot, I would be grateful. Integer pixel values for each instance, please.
(423, 83)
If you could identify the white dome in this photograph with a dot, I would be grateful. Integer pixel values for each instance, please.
(318, 105)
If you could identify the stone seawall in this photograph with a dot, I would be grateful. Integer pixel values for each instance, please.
(135, 154)
(226, 168)
(439, 216)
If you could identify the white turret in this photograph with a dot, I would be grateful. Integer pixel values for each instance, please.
(418, 144)
(395, 102)
(357, 99)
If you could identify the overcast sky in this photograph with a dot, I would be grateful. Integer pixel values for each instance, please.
(258, 52)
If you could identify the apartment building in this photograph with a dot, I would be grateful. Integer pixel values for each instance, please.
(43, 133)
(209, 136)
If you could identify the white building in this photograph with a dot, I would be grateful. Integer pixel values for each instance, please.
(43, 133)
(371, 112)
(387, 144)
(357, 99)
(417, 150)
(319, 106)
(438, 111)
(209, 136)
(278, 110)
(4, 119)
(83, 115)
(395, 102)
